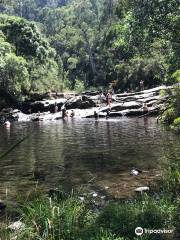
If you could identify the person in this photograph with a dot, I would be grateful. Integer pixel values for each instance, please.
(7, 123)
(142, 85)
(128, 90)
(55, 107)
(109, 99)
(64, 113)
(72, 114)
(101, 97)
(107, 113)
(95, 115)
(145, 107)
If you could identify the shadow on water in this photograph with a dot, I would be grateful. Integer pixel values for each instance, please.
(70, 153)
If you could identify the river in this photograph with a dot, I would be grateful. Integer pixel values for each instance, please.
(73, 153)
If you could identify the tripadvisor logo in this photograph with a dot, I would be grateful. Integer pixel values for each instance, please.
(139, 231)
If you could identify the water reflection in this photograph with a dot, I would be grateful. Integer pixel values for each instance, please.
(71, 153)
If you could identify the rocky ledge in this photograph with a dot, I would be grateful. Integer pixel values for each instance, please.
(86, 104)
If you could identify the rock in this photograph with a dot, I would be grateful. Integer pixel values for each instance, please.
(82, 199)
(42, 106)
(128, 104)
(141, 189)
(79, 102)
(90, 93)
(134, 172)
(6, 110)
(17, 226)
(94, 194)
(103, 197)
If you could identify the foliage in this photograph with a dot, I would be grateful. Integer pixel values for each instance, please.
(176, 76)
(27, 63)
(100, 42)
(173, 109)
(171, 179)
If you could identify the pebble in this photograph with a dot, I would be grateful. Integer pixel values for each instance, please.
(134, 172)
(82, 199)
(17, 226)
(94, 194)
(103, 197)
(141, 189)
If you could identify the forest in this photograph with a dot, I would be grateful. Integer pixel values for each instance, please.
(63, 45)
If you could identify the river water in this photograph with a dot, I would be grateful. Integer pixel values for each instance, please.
(73, 153)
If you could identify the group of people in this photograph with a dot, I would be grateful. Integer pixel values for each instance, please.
(131, 90)
(65, 113)
(108, 98)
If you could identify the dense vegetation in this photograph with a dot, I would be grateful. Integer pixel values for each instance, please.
(75, 44)
(171, 113)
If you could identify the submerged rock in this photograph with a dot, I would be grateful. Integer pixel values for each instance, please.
(141, 189)
(134, 172)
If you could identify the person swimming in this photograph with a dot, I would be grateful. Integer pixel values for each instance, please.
(108, 113)
(145, 107)
(72, 114)
(7, 123)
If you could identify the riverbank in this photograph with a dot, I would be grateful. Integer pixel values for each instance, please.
(49, 107)
(73, 216)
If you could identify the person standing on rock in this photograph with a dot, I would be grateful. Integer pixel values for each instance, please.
(142, 85)
(55, 107)
(109, 99)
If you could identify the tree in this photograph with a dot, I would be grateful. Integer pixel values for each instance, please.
(14, 75)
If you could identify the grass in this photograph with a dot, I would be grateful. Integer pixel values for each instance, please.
(68, 218)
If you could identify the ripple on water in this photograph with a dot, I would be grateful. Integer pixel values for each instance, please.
(71, 153)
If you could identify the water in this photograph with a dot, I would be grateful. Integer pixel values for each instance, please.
(74, 153)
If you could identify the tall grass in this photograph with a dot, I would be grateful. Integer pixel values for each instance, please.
(68, 218)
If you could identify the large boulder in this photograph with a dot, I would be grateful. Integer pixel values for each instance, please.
(80, 103)
(8, 114)
(42, 106)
